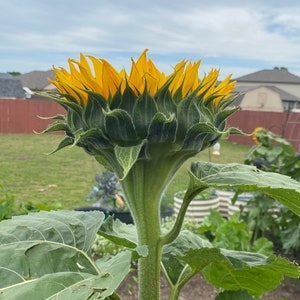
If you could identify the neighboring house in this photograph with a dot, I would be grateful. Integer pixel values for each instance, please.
(10, 87)
(37, 80)
(274, 90)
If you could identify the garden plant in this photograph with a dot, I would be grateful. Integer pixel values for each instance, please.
(266, 217)
(142, 126)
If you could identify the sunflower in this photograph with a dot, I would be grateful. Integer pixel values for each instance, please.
(255, 134)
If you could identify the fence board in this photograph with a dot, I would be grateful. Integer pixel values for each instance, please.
(286, 124)
(22, 116)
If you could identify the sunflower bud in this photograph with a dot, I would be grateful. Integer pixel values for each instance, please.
(113, 114)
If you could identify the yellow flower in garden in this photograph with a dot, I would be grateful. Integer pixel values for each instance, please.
(256, 130)
(104, 79)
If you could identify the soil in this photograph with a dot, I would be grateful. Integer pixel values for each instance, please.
(199, 289)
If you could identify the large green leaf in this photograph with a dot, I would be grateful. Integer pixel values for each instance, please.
(73, 285)
(47, 242)
(246, 178)
(240, 271)
(119, 233)
(175, 268)
(248, 271)
(45, 256)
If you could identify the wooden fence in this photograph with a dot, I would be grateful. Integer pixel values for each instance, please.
(285, 124)
(21, 116)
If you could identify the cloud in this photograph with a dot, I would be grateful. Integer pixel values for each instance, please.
(230, 33)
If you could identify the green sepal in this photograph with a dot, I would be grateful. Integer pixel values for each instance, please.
(127, 156)
(188, 115)
(115, 101)
(56, 126)
(101, 159)
(67, 141)
(128, 100)
(56, 117)
(165, 102)
(226, 102)
(75, 121)
(93, 139)
(233, 130)
(69, 104)
(162, 129)
(93, 112)
(223, 115)
(120, 128)
(198, 134)
(143, 113)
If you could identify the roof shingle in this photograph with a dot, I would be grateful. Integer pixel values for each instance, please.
(270, 76)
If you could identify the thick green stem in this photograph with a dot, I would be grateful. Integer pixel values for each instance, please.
(143, 187)
(143, 194)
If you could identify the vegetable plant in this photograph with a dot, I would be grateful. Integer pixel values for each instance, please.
(142, 126)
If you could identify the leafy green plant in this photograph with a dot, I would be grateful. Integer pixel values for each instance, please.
(264, 216)
(7, 203)
(232, 234)
(143, 126)
(8, 207)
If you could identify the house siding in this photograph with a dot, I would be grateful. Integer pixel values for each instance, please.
(262, 99)
(293, 89)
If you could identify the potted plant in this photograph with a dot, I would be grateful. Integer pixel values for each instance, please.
(200, 206)
(107, 197)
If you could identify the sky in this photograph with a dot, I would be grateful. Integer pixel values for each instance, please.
(238, 37)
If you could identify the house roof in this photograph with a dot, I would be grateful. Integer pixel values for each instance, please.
(36, 80)
(270, 76)
(10, 87)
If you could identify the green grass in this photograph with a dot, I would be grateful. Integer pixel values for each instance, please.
(67, 176)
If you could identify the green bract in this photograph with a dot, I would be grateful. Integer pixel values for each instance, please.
(134, 125)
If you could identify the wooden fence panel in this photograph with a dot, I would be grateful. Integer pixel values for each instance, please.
(22, 116)
(284, 124)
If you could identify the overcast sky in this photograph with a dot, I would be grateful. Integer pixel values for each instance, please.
(238, 37)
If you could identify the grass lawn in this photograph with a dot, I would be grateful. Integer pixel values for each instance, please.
(67, 176)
